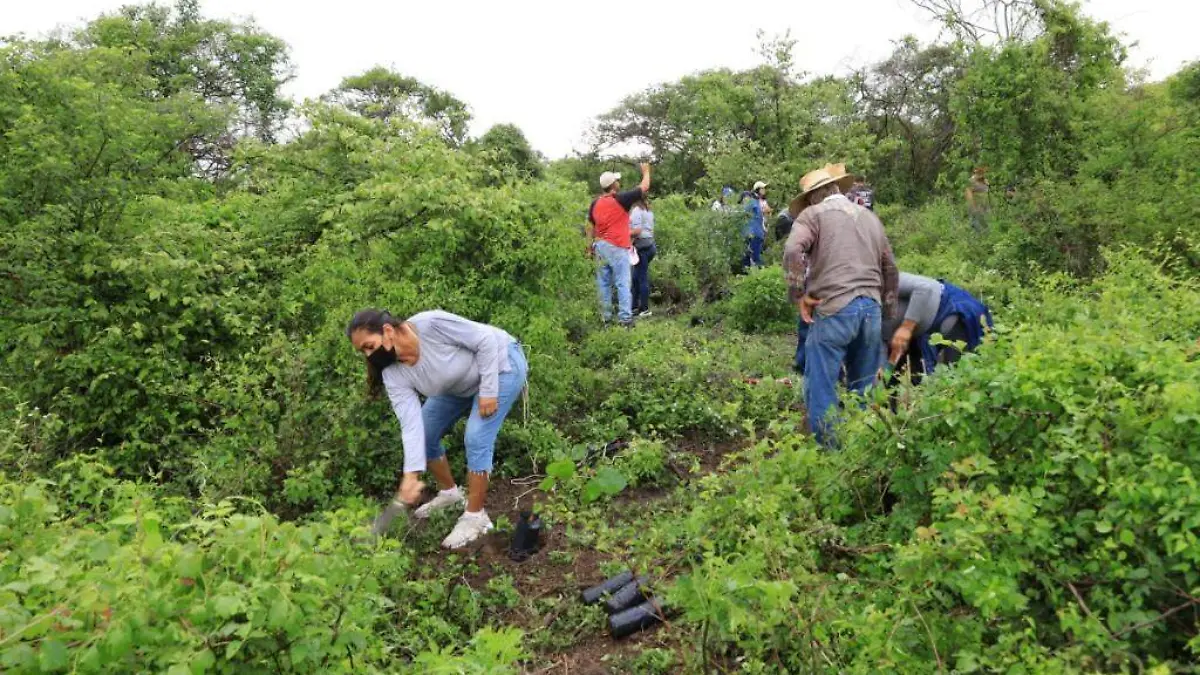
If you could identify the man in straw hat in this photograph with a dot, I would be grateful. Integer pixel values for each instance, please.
(843, 278)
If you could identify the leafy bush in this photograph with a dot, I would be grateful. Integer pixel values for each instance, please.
(152, 587)
(1030, 508)
(710, 241)
(759, 302)
(674, 278)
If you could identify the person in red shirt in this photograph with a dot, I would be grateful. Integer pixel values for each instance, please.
(609, 241)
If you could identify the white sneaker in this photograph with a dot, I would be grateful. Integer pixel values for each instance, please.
(470, 526)
(444, 500)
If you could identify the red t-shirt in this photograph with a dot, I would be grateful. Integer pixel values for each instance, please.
(610, 215)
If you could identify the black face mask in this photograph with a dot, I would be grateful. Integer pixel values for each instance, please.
(381, 358)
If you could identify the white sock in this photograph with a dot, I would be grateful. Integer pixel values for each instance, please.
(481, 513)
(452, 492)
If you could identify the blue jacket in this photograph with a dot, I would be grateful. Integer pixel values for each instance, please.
(754, 227)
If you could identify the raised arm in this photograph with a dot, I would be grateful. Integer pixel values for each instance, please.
(645, 184)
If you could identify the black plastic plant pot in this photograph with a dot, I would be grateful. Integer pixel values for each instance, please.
(627, 596)
(592, 595)
(527, 538)
(634, 619)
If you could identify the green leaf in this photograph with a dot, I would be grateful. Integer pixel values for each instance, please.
(279, 613)
(1127, 537)
(1104, 527)
(607, 482)
(226, 605)
(562, 469)
(202, 661)
(190, 564)
(53, 655)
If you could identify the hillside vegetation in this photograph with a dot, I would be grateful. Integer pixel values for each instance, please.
(188, 462)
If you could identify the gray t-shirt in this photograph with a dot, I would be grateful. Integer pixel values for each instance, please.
(919, 300)
(924, 296)
(458, 357)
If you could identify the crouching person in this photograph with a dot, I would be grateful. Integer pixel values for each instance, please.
(933, 307)
(462, 368)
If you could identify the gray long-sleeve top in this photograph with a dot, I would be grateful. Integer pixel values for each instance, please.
(924, 296)
(642, 219)
(458, 357)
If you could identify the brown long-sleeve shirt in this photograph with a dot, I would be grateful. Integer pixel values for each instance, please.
(838, 251)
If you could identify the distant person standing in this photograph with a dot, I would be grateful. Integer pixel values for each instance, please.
(721, 203)
(862, 194)
(641, 223)
(755, 229)
(977, 198)
(843, 278)
(610, 241)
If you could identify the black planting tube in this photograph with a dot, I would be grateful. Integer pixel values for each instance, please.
(634, 619)
(627, 596)
(593, 594)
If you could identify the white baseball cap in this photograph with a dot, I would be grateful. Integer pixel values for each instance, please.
(758, 186)
(608, 178)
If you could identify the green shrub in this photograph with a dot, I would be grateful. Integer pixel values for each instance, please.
(151, 587)
(759, 303)
(710, 241)
(1032, 507)
(674, 279)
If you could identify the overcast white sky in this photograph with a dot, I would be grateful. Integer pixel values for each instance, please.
(550, 66)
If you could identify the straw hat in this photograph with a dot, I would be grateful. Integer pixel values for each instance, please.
(830, 173)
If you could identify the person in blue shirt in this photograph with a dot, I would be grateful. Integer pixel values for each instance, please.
(755, 230)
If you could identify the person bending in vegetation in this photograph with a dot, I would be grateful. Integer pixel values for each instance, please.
(609, 239)
(929, 306)
(462, 368)
(641, 223)
(755, 230)
(843, 279)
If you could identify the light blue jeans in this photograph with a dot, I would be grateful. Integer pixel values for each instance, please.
(851, 336)
(614, 270)
(441, 412)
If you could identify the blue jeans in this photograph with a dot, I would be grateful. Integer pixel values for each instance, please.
(802, 333)
(441, 412)
(614, 270)
(850, 336)
(753, 255)
(641, 278)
